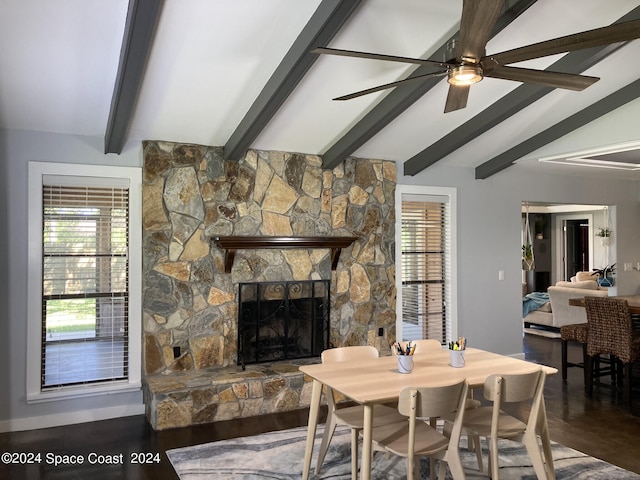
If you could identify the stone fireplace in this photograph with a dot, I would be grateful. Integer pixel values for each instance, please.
(192, 195)
(282, 320)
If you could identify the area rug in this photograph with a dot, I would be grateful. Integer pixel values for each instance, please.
(279, 455)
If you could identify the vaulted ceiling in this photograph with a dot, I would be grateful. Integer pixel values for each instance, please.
(239, 73)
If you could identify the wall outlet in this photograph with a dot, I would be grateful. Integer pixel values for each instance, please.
(500, 274)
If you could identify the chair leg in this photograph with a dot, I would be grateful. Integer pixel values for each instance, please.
(432, 467)
(588, 368)
(329, 429)
(564, 360)
(626, 385)
(621, 370)
(493, 458)
(453, 460)
(477, 446)
(533, 449)
(410, 466)
(586, 371)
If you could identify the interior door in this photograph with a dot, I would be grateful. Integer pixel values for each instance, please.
(575, 246)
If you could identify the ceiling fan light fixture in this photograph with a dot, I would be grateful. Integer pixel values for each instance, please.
(464, 75)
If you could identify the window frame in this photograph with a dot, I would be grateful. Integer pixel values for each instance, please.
(428, 194)
(83, 175)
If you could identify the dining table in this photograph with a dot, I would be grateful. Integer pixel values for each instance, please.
(632, 300)
(378, 380)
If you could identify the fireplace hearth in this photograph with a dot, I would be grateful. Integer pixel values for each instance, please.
(282, 320)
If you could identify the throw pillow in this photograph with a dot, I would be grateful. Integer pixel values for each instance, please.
(587, 284)
(585, 276)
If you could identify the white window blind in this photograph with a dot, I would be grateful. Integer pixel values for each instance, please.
(424, 258)
(85, 289)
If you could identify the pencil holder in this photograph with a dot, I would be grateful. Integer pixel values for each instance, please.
(456, 358)
(405, 363)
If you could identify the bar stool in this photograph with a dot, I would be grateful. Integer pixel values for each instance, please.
(574, 332)
(579, 333)
(611, 332)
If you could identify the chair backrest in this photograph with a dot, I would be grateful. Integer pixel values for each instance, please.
(418, 403)
(511, 388)
(514, 388)
(343, 354)
(440, 401)
(610, 328)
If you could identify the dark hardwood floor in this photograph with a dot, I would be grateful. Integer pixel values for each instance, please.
(600, 427)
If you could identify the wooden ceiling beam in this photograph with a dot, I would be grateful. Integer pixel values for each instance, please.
(321, 28)
(402, 97)
(586, 115)
(142, 19)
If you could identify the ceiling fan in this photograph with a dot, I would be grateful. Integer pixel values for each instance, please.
(471, 65)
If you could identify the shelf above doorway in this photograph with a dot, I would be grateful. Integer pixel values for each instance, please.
(234, 243)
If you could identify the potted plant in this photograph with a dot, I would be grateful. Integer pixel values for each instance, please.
(605, 235)
(527, 257)
(605, 275)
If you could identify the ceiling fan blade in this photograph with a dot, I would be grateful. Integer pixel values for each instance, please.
(618, 32)
(543, 77)
(377, 56)
(388, 85)
(456, 98)
(478, 19)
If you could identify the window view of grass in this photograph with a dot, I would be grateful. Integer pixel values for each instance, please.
(70, 316)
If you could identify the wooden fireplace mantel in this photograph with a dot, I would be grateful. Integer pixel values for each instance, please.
(232, 244)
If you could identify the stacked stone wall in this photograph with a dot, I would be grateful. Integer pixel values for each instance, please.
(191, 194)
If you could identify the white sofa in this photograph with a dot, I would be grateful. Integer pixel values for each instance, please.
(558, 312)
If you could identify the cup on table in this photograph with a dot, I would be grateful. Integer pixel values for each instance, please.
(456, 358)
(405, 363)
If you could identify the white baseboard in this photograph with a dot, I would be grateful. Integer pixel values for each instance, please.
(70, 418)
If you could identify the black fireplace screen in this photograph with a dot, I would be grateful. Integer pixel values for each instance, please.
(282, 320)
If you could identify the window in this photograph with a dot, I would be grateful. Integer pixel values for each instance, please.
(84, 334)
(426, 293)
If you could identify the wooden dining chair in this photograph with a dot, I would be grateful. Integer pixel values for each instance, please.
(415, 438)
(431, 345)
(492, 423)
(351, 416)
(611, 333)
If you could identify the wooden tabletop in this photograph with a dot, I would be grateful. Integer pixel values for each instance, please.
(632, 300)
(378, 380)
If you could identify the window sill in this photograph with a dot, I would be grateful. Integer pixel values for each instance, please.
(67, 393)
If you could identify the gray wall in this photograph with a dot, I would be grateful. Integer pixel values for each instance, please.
(488, 234)
(489, 229)
(17, 148)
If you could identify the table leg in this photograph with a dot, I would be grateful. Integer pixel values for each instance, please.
(367, 442)
(314, 408)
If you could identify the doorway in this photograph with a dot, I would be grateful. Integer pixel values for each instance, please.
(567, 245)
(575, 241)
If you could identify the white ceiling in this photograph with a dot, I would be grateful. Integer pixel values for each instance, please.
(211, 58)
